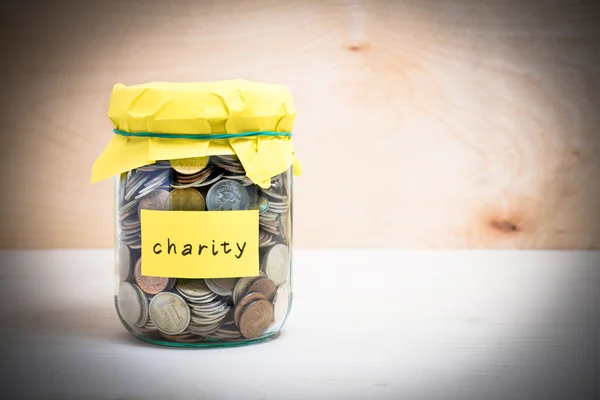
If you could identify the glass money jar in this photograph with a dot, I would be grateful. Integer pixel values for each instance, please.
(203, 195)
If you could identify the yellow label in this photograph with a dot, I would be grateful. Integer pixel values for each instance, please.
(200, 244)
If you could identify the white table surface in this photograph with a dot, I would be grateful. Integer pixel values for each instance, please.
(364, 324)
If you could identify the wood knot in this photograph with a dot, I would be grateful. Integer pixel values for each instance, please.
(504, 226)
(357, 46)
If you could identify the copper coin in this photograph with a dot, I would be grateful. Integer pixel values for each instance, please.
(149, 284)
(124, 263)
(241, 287)
(249, 298)
(256, 318)
(265, 286)
(156, 200)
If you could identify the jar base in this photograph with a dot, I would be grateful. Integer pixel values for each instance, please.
(208, 343)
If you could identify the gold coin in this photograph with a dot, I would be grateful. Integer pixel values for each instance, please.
(189, 166)
(185, 200)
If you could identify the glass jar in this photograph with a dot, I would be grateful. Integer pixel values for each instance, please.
(200, 312)
(203, 249)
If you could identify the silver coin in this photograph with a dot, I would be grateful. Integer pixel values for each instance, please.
(222, 286)
(222, 336)
(204, 330)
(281, 303)
(205, 318)
(134, 189)
(215, 305)
(209, 311)
(277, 264)
(229, 331)
(200, 301)
(170, 313)
(206, 321)
(133, 177)
(129, 304)
(227, 195)
(124, 263)
(200, 322)
(144, 303)
(207, 298)
(193, 288)
(196, 184)
(150, 327)
(149, 187)
(123, 211)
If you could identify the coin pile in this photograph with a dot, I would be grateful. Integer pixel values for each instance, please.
(208, 309)
(195, 310)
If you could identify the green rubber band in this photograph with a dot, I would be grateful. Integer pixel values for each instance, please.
(201, 136)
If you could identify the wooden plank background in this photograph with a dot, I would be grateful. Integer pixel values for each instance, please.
(421, 124)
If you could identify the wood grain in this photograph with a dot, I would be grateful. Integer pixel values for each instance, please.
(424, 325)
(425, 124)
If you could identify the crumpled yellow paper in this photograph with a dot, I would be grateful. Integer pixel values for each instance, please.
(221, 107)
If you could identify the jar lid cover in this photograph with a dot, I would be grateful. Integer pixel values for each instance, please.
(172, 120)
(219, 107)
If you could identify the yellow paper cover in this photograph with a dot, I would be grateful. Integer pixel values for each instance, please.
(221, 107)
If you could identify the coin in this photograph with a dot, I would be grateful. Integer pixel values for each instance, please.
(257, 200)
(170, 313)
(230, 163)
(276, 264)
(222, 286)
(208, 298)
(202, 175)
(204, 330)
(241, 287)
(256, 318)
(185, 200)
(193, 287)
(149, 284)
(124, 263)
(227, 195)
(197, 183)
(189, 166)
(247, 299)
(170, 285)
(206, 322)
(156, 200)
(131, 224)
(243, 179)
(139, 180)
(281, 303)
(129, 304)
(150, 327)
(144, 303)
(153, 184)
(264, 238)
(264, 286)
